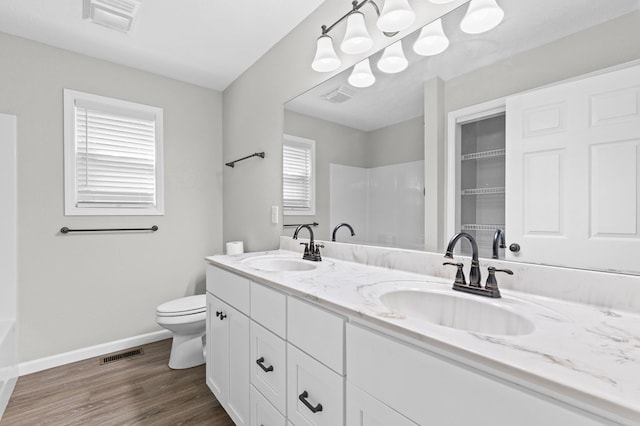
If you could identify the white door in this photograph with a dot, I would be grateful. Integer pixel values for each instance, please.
(573, 172)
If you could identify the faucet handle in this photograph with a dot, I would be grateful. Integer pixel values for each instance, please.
(306, 247)
(460, 279)
(492, 283)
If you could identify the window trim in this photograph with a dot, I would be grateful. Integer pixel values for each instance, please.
(70, 184)
(311, 144)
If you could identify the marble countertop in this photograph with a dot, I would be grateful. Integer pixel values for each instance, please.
(586, 355)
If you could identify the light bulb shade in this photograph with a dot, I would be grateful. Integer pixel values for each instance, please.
(356, 38)
(432, 39)
(361, 76)
(481, 16)
(326, 59)
(396, 15)
(393, 59)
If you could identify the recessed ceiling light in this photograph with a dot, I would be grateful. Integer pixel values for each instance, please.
(114, 14)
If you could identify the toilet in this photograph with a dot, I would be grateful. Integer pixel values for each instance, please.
(185, 318)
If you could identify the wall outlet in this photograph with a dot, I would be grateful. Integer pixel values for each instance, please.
(274, 215)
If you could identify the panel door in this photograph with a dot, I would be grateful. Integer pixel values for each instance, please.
(217, 369)
(573, 172)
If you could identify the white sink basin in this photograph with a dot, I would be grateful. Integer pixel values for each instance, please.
(435, 303)
(278, 264)
(455, 311)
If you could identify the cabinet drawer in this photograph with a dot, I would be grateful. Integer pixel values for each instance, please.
(269, 308)
(317, 332)
(263, 413)
(364, 410)
(269, 350)
(315, 394)
(229, 287)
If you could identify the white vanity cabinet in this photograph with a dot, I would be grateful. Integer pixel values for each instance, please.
(429, 389)
(272, 359)
(227, 357)
(276, 359)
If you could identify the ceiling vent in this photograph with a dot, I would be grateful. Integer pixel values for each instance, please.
(114, 14)
(339, 95)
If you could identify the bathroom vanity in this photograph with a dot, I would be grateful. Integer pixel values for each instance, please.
(345, 341)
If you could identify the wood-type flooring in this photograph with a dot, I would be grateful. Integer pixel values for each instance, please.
(141, 390)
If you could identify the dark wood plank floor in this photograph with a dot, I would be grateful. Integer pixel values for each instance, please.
(138, 391)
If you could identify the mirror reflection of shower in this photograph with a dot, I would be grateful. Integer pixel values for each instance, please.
(385, 203)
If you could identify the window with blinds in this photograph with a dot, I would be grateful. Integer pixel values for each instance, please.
(298, 176)
(113, 156)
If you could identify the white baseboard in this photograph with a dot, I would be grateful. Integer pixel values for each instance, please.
(90, 352)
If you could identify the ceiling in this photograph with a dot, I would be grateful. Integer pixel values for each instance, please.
(205, 42)
(397, 97)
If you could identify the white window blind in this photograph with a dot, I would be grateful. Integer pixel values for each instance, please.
(115, 157)
(298, 181)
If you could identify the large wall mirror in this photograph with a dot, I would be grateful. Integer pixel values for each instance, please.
(391, 157)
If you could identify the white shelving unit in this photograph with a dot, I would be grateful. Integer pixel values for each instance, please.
(481, 188)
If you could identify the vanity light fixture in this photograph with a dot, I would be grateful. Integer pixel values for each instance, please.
(432, 40)
(396, 15)
(356, 38)
(361, 76)
(393, 59)
(481, 16)
(326, 59)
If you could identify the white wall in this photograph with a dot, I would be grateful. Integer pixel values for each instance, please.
(602, 46)
(399, 143)
(76, 291)
(253, 119)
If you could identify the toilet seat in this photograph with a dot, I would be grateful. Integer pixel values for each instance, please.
(185, 306)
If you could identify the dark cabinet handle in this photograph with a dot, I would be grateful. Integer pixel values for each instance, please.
(303, 397)
(220, 315)
(514, 247)
(260, 362)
